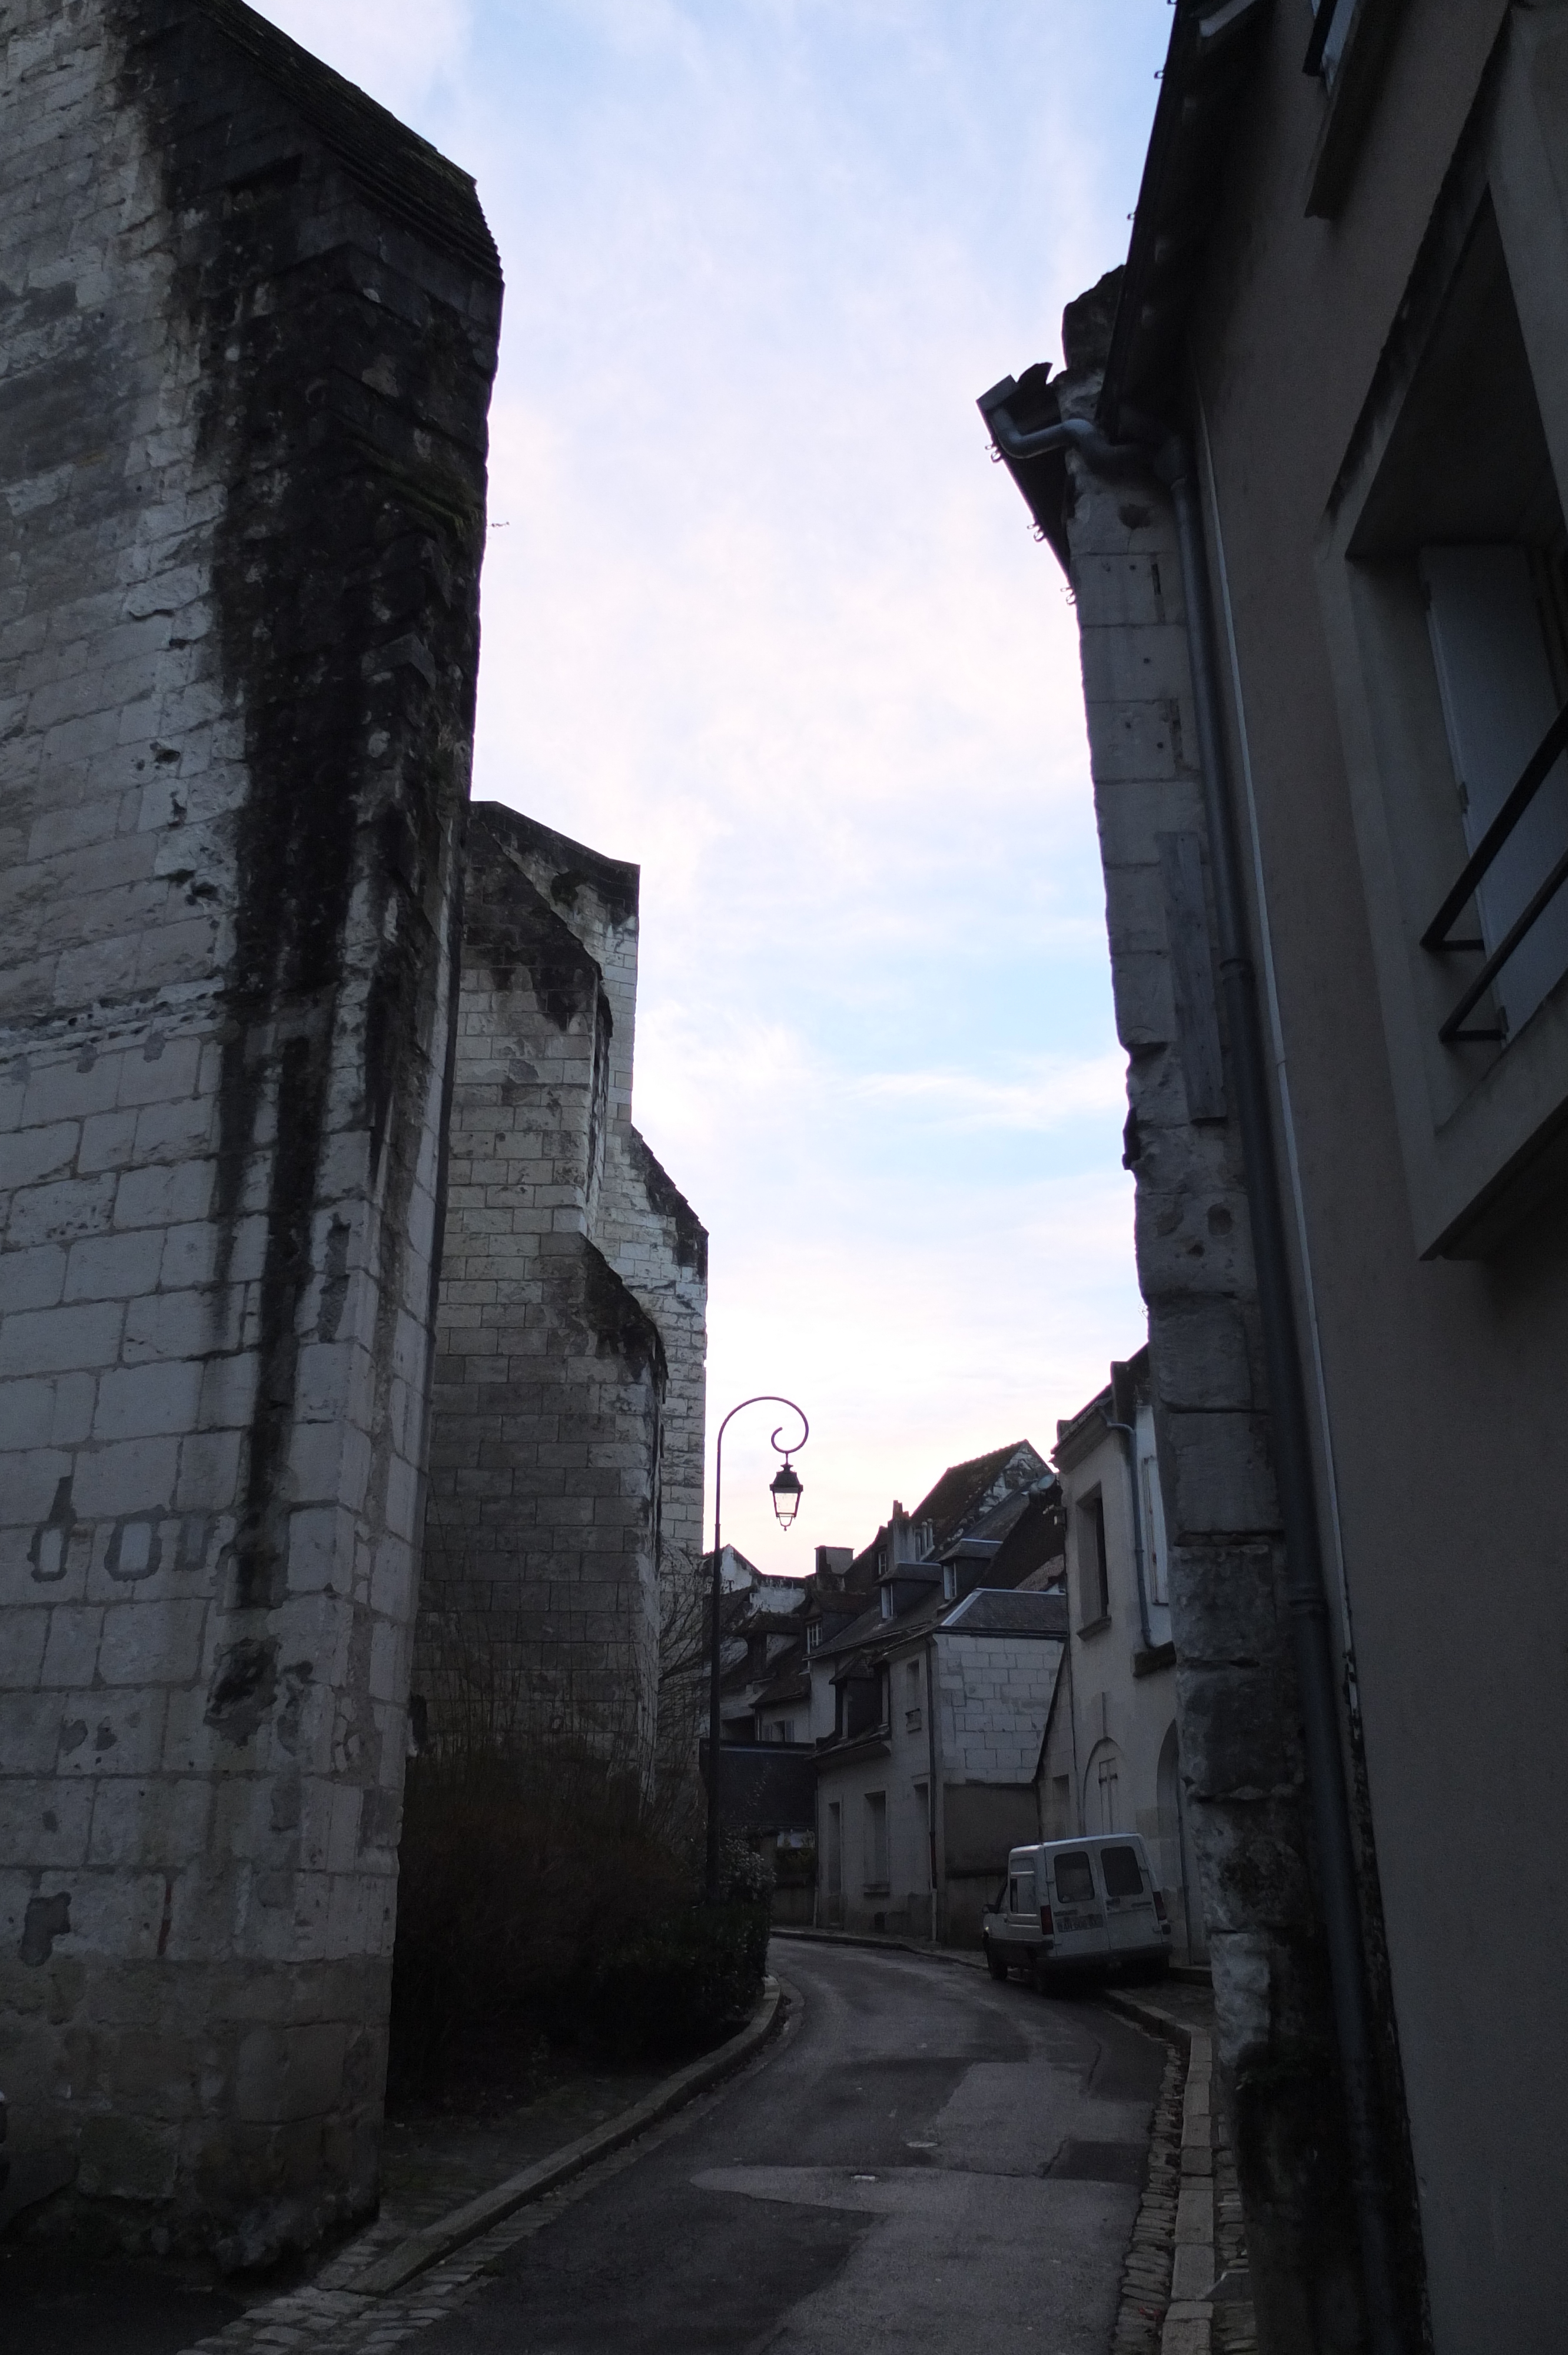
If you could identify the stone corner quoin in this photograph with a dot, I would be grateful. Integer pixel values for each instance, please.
(250, 329)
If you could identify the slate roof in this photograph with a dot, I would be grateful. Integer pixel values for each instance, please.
(990, 1611)
(962, 1485)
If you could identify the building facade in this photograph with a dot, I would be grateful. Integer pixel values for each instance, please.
(931, 1689)
(1112, 1758)
(1306, 465)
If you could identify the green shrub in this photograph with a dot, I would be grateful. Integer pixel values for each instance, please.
(536, 1896)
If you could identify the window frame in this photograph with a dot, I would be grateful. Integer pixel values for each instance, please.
(1483, 1127)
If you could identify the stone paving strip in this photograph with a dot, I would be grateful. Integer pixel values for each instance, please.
(389, 2282)
(1185, 2283)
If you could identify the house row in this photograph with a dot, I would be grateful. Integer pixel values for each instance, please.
(994, 1668)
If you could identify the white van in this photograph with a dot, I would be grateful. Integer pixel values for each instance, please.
(1077, 1905)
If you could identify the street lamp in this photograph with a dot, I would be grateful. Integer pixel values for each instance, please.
(784, 1490)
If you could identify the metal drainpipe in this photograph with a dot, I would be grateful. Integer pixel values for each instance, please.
(1171, 463)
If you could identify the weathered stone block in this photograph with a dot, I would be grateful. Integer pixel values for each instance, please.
(239, 662)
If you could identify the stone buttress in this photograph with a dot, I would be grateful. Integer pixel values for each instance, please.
(1242, 1751)
(249, 326)
(567, 1446)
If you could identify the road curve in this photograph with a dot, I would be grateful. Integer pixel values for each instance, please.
(926, 2161)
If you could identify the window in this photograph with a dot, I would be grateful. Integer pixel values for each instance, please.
(1154, 1532)
(835, 1847)
(1444, 577)
(1094, 1575)
(875, 1841)
(1495, 615)
(813, 1634)
(887, 1602)
(912, 1697)
(949, 1581)
(1021, 1892)
(1075, 1879)
(923, 1827)
(1122, 1873)
(1328, 36)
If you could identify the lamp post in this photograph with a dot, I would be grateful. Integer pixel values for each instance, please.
(784, 1490)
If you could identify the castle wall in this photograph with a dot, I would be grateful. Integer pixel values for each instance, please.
(250, 325)
(643, 1223)
(540, 1609)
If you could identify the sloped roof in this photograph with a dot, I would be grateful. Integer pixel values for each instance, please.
(1035, 1537)
(992, 1612)
(792, 1685)
(962, 1488)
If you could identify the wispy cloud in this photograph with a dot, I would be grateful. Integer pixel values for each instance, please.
(758, 613)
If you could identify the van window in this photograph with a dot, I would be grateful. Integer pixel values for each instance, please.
(1123, 1876)
(1074, 1880)
(1021, 1895)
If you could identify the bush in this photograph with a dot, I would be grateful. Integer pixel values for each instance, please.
(536, 1898)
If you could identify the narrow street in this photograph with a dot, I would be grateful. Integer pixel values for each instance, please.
(926, 2160)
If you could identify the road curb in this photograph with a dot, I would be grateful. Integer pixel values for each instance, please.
(1148, 2014)
(428, 2247)
(882, 1944)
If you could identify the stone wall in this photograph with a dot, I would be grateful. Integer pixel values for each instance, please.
(249, 329)
(1241, 1747)
(643, 1224)
(566, 1468)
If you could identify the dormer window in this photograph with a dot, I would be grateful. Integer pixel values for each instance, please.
(813, 1634)
(887, 1602)
(882, 1562)
(949, 1581)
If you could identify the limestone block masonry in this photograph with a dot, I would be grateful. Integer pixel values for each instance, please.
(1242, 1760)
(567, 1439)
(249, 326)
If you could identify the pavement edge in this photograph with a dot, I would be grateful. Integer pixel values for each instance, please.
(435, 2242)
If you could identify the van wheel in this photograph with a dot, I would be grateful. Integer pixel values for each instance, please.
(995, 1964)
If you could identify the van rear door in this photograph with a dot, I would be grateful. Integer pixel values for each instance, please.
(1077, 1908)
(1132, 1925)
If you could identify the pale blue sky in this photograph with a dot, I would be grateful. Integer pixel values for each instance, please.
(758, 613)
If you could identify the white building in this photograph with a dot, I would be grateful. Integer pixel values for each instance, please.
(930, 1707)
(1112, 1757)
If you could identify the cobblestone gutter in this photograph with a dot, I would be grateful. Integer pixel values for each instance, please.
(1185, 2286)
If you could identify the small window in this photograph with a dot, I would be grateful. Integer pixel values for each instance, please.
(1154, 1533)
(876, 1840)
(949, 1581)
(1341, 13)
(887, 1602)
(1123, 1874)
(1075, 1879)
(1094, 1572)
(1021, 1892)
(813, 1634)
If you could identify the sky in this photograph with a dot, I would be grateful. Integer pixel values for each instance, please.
(758, 614)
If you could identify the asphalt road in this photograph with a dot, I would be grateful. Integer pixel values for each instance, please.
(926, 2161)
